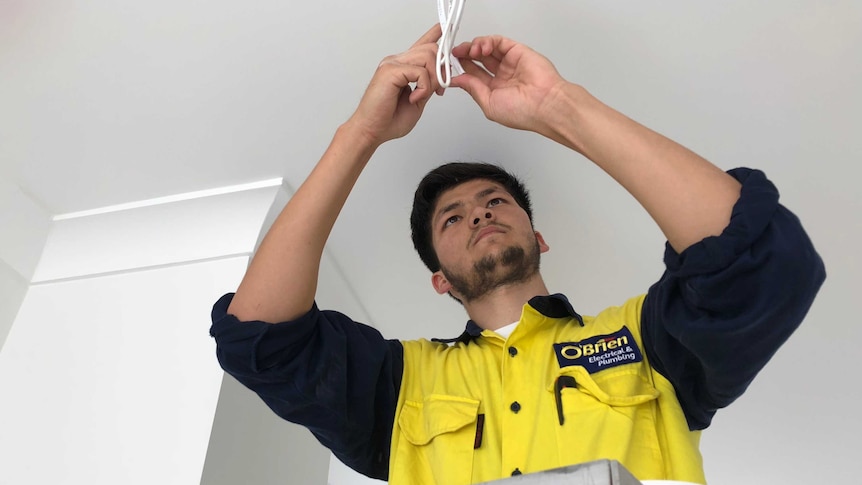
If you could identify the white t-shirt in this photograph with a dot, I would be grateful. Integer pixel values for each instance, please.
(506, 330)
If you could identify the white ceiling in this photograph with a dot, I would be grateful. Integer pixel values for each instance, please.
(104, 102)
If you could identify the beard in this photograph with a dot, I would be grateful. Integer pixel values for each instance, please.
(513, 265)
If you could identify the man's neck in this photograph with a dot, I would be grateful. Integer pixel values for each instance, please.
(503, 305)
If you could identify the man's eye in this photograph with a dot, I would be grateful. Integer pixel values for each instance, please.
(451, 220)
(495, 201)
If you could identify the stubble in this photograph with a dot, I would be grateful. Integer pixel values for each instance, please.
(513, 265)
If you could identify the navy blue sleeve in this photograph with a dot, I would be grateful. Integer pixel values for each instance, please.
(726, 304)
(338, 378)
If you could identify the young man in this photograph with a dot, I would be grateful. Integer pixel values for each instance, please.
(530, 385)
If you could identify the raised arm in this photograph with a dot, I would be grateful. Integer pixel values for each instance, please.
(687, 196)
(281, 281)
(725, 304)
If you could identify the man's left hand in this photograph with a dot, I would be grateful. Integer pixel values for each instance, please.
(517, 86)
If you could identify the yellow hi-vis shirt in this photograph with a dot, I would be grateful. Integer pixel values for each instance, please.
(554, 393)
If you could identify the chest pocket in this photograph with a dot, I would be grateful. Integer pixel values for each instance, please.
(440, 433)
(612, 414)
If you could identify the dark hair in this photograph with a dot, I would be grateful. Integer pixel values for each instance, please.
(444, 178)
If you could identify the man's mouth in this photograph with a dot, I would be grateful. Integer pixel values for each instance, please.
(486, 231)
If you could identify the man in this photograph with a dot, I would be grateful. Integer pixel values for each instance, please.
(530, 385)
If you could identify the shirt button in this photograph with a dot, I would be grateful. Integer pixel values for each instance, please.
(516, 472)
(515, 407)
(513, 351)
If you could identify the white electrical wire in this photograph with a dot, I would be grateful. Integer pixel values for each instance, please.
(449, 12)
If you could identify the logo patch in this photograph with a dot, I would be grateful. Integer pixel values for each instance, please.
(600, 352)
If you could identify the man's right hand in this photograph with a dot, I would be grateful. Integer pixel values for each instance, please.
(389, 109)
(281, 281)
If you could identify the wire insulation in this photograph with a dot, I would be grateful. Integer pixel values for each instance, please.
(449, 12)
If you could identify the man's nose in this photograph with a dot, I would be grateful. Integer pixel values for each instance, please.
(487, 215)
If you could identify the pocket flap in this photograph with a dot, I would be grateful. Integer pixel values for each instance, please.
(420, 422)
(617, 389)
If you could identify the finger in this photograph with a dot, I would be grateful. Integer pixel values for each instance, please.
(478, 90)
(432, 36)
(401, 75)
(462, 50)
(490, 63)
(474, 50)
(422, 56)
(489, 50)
(426, 85)
(404, 95)
(483, 47)
(478, 48)
(421, 104)
(476, 70)
(496, 46)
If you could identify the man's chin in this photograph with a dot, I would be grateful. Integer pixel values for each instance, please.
(502, 266)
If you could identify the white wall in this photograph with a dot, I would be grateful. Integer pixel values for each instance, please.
(249, 443)
(109, 374)
(24, 227)
(13, 287)
(111, 379)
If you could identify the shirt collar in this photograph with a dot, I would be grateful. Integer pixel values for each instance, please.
(552, 306)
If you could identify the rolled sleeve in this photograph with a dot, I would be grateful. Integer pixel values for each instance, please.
(337, 377)
(725, 305)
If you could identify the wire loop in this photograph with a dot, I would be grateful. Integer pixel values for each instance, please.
(449, 12)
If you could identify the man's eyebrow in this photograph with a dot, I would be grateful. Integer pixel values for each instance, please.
(487, 192)
(480, 195)
(450, 207)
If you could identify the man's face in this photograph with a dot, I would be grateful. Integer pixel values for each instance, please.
(483, 240)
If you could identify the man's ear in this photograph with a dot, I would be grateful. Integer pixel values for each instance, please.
(543, 246)
(440, 283)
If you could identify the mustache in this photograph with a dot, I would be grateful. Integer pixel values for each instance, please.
(480, 229)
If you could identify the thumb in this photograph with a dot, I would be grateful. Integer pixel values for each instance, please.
(479, 91)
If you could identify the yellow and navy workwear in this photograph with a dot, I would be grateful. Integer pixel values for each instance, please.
(472, 412)
(635, 383)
